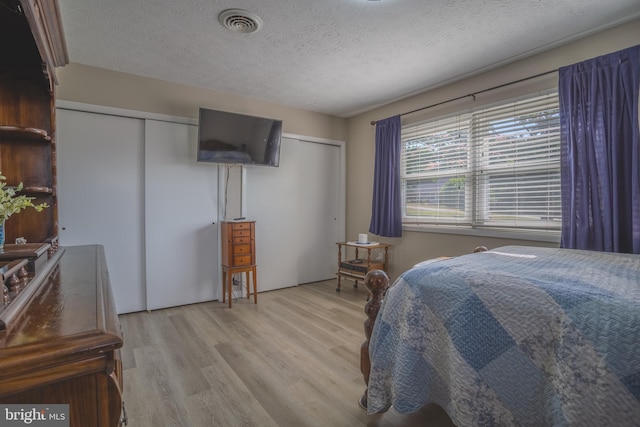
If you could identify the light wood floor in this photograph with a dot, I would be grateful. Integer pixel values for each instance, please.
(291, 360)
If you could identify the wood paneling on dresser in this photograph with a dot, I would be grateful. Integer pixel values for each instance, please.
(64, 347)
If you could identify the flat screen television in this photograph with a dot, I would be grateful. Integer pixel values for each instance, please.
(225, 137)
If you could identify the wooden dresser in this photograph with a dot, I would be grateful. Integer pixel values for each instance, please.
(238, 240)
(63, 347)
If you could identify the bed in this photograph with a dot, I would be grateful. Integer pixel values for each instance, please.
(515, 336)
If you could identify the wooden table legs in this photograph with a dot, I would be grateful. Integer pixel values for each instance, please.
(227, 281)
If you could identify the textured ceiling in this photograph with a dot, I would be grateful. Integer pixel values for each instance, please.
(339, 57)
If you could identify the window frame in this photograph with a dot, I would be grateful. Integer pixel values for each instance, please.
(472, 224)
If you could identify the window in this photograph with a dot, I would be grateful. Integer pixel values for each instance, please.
(496, 167)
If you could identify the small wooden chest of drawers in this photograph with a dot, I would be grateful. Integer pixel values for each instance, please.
(238, 256)
(238, 243)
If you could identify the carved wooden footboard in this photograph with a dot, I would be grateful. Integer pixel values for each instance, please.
(377, 283)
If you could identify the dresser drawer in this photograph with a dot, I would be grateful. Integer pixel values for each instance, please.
(242, 240)
(241, 226)
(240, 260)
(241, 249)
(240, 233)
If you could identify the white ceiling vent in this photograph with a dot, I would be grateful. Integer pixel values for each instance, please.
(240, 21)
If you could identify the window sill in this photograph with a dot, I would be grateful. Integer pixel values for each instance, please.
(538, 236)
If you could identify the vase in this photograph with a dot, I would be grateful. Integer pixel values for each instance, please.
(1, 234)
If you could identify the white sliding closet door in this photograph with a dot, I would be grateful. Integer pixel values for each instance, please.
(181, 199)
(295, 207)
(101, 195)
(271, 200)
(319, 191)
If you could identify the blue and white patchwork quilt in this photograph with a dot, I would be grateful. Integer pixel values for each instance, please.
(516, 336)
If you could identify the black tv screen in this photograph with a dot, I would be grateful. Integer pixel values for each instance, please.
(225, 137)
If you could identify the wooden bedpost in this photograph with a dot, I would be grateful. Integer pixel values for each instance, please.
(377, 283)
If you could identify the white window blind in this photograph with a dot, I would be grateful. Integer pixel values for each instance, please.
(435, 169)
(493, 167)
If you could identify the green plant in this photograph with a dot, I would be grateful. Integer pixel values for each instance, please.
(11, 203)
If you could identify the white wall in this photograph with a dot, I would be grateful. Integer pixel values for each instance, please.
(97, 86)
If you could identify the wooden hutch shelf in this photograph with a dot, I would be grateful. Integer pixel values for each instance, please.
(32, 45)
(10, 133)
(35, 190)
